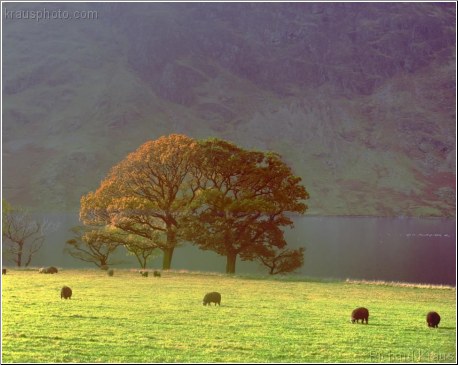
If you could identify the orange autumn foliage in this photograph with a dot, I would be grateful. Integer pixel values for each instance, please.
(146, 192)
(212, 193)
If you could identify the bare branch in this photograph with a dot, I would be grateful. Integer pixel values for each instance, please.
(23, 236)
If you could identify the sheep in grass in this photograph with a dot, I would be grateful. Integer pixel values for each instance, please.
(433, 319)
(360, 314)
(51, 270)
(213, 297)
(65, 292)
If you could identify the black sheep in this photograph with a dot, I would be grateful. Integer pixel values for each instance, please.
(51, 270)
(360, 314)
(213, 297)
(433, 319)
(3, 271)
(66, 293)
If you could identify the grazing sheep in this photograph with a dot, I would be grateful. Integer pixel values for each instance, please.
(110, 272)
(213, 297)
(433, 319)
(66, 293)
(3, 271)
(144, 274)
(360, 314)
(48, 270)
(156, 274)
(51, 270)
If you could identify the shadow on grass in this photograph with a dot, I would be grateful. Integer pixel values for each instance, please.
(287, 278)
(374, 324)
(413, 328)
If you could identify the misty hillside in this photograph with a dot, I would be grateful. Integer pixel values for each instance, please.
(359, 98)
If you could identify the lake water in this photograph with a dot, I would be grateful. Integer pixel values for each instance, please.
(399, 249)
(376, 248)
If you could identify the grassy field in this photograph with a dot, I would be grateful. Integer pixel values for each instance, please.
(129, 318)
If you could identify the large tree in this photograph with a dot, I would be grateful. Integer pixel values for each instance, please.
(146, 193)
(23, 235)
(245, 199)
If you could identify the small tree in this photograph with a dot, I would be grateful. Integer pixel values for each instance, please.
(143, 253)
(22, 235)
(282, 261)
(92, 244)
(142, 248)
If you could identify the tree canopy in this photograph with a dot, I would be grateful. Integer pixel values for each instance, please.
(244, 200)
(146, 193)
(211, 193)
(93, 244)
(282, 261)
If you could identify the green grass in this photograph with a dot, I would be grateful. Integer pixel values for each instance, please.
(129, 318)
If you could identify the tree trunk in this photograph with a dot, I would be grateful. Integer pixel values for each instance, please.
(168, 251)
(230, 263)
(141, 260)
(29, 259)
(19, 257)
(167, 259)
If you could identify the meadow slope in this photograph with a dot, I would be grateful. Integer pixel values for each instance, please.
(129, 318)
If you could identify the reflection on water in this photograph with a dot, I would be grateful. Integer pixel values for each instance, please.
(399, 249)
(374, 248)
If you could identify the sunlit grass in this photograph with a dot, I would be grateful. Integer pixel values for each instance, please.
(129, 318)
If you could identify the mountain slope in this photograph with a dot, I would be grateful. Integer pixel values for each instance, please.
(358, 98)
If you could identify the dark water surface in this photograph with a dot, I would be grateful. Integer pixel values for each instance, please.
(376, 248)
